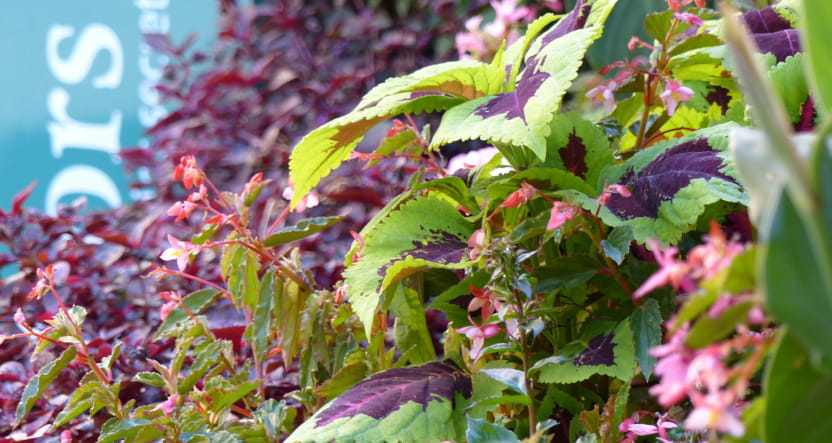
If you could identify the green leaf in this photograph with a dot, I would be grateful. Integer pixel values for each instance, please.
(658, 24)
(429, 89)
(116, 428)
(789, 80)
(483, 431)
(816, 35)
(344, 379)
(410, 329)
(80, 401)
(222, 397)
(511, 377)
(207, 356)
(797, 395)
(709, 329)
(422, 403)
(647, 328)
(261, 327)
(150, 378)
(424, 232)
(453, 187)
(36, 385)
(196, 302)
(617, 244)
(579, 147)
(521, 117)
(302, 229)
(608, 353)
(796, 292)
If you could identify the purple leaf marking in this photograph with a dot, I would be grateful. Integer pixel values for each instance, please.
(574, 156)
(385, 392)
(662, 178)
(599, 351)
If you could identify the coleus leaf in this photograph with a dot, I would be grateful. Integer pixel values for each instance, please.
(578, 146)
(421, 403)
(672, 189)
(429, 89)
(600, 351)
(521, 117)
(424, 232)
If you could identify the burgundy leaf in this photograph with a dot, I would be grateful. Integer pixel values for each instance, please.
(662, 178)
(20, 198)
(765, 20)
(574, 156)
(385, 392)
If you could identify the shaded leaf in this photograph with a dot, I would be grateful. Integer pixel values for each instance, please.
(302, 229)
(513, 378)
(37, 385)
(483, 431)
(405, 404)
(344, 379)
(81, 400)
(424, 232)
(797, 395)
(608, 353)
(116, 428)
(647, 329)
(196, 302)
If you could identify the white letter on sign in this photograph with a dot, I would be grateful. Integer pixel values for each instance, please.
(94, 38)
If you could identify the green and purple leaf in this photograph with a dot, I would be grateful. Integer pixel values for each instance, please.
(579, 147)
(422, 403)
(600, 351)
(421, 233)
(521, 117)
(671, 187)
(433, 88)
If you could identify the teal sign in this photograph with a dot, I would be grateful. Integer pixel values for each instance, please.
(77, 87)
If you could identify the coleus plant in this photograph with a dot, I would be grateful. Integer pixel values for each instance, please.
(542, 267)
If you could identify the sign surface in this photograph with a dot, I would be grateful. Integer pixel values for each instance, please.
(77, 87)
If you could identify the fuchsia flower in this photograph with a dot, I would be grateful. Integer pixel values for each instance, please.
(670, 271)
(688, 18)
(676, 5)
(519, 197)
(478, 333)
(715, 410)
(309, 201)
(180, 251)
(674, 94)
(188, 171)
(604, 94)
(561, 213)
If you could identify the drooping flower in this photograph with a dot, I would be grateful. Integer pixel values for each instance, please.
(188, 171)
(471, 159)
(560, 214)
(671, 271)
(688, 18)
(676, 5)
(181, 210)
(310, 200)
(519, 197)
(674, 94)
(604, 94)
(715, 410)
(478, 333)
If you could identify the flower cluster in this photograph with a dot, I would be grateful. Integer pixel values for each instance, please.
(482, 42)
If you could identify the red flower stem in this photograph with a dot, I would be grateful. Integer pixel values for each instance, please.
(279, 220)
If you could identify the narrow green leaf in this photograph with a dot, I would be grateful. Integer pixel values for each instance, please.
(262, 324)
(80, 401)
(302, 229)
(816, 21)
(410, 329)
(222, 399)
(206, 358)
(37, 385)
(647, 329)
(797, 395)
(150, 378)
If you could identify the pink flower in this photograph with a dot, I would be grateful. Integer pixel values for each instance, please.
(181, 210)
(180, 251)
(188, 171)
(604, 94)
(604, 197)
(690, 19)
(676, 5)
(470, 42)
(478, 334)
(670, 271)
(709, 258)
(471, 159)
(673, 367)
(508, 12)
(674, 94)
(707, 368)
(19, 317)
(309, 201)
(519, 197)
(166, 309)
(561, 213)
(714, 411)
(169, 405)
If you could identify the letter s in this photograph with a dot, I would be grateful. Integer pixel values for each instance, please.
(93, 39)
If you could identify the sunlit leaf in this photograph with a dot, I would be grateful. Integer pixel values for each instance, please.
(36, 385)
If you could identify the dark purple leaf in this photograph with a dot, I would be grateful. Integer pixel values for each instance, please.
(781, 43)
(385, 392)
(599, 351)
(574, 156)
(662, 178)
(765, 20)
